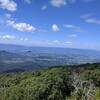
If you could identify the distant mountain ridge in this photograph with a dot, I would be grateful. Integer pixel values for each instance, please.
(26, 58)
(37, 49)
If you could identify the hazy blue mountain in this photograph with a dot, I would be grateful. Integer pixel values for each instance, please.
(16, 57)
(56, 50)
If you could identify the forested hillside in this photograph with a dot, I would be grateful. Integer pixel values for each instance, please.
(80, 82)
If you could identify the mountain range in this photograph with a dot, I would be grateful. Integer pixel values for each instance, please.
(25, 58)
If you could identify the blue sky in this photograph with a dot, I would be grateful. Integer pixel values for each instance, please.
(52, 23)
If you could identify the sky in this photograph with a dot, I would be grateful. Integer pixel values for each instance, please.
(51, 23)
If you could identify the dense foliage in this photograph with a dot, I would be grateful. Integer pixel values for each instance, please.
(80, 82)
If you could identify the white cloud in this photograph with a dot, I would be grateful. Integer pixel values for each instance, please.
(24, 27)
(58, 3)
(92, 21)
(73, 27)
(44, 7)
(8, 4)
(7, 37)
(55, 28)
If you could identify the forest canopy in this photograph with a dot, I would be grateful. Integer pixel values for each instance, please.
(79, 82)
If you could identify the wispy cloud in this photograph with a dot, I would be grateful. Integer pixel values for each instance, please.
(8, 4)
(23, 39)
(28, 1)
(56, 41)
(89, 18)
(69, 26)
(7, 37)
(93, 21)
(8, 16)
(87, 1)
(73, 35)
(58, 3)
(84, 16)
(24, 27)
(55, 28)
(44, 7)
(62, 42)
(73, 27)
(68, 42)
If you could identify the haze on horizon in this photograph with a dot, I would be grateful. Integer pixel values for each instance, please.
(51, 23)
